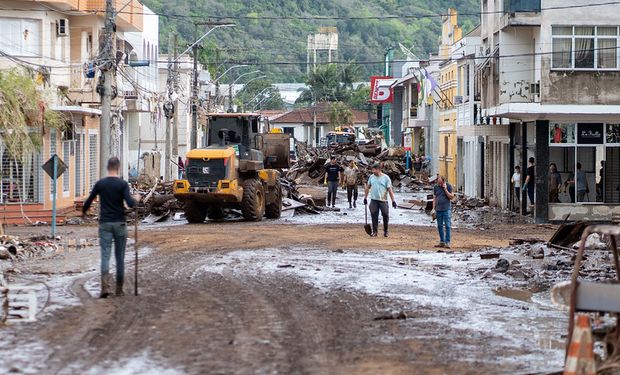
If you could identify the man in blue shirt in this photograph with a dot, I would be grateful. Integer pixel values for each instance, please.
(442, 205)
(379, 185)
(112, 192)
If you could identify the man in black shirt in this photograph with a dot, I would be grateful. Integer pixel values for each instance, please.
(333, 175)
(112, 191)
(530, 181)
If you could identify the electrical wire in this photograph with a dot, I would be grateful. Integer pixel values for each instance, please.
(340, 62)
(322, 18)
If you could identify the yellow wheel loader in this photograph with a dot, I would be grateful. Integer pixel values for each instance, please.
(237, 169)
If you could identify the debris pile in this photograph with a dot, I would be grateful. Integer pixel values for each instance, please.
(534, 262)
(13, 248)
(310, 166)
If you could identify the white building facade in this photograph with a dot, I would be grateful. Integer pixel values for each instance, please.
(553, 72)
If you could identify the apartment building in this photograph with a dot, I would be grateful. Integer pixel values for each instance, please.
(61, 40)
(450, 34)
(553, 72)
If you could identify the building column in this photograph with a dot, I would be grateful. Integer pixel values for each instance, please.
(542, 171)
(524, 165)
(511, 162)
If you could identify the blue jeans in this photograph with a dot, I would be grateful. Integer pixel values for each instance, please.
(116, 232)
(444, 218)
(332, 191)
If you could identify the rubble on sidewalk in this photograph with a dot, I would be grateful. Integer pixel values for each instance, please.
(13, 248)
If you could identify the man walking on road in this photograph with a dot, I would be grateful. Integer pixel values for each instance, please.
(379, 185)
(333, 175)
(350, 179)
(442, 205)
(112, 191)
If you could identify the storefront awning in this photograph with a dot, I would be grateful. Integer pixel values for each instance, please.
(403, 80)
(76, 109)
(559, 112)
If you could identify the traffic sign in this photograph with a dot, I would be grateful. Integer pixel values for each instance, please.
(48, 167)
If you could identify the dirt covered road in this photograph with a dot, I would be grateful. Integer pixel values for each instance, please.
(272, 298)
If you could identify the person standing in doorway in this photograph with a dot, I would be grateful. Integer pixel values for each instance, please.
(530, 181)
(350, 178)
(555, 181)
(578, 183)
(442, 206)
(333, 175)
(379, 185)
(516, 184)
(581, 184)
(112, 191)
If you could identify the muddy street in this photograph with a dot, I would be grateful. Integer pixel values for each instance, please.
(242, 298)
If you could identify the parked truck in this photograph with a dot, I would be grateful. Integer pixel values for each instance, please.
(237, 170)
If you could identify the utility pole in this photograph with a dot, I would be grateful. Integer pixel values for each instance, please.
(194, 135)
(230, 98)
(175, 118)
(313, 137)
(169, 111)
(106, 57)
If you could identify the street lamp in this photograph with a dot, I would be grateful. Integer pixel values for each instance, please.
(228, 70)
(217, 80)
(254, 79)
(230, 88)
(194, 48)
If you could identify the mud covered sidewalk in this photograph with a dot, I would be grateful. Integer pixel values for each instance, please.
(244, 298)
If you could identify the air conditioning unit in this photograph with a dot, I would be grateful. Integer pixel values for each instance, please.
(62, 27)
(458, 99)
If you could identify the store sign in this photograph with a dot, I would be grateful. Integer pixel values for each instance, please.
(381, 90)
(590, 134)
(408, 142)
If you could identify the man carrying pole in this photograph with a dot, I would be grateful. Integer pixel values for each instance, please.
(112, 191)
(379, 185)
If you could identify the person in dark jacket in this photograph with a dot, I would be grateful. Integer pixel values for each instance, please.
(112, 192)
(333, 176)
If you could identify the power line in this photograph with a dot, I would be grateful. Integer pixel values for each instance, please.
(320, 18)
(498, 57)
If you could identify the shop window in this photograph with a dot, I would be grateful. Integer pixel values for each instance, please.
(587, 156)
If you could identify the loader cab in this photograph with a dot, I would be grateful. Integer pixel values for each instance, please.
(237, 130)
(338, 138)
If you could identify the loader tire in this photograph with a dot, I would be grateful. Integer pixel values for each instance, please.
(253, 203)
(274, 209)
(195, 213)
(216, 213)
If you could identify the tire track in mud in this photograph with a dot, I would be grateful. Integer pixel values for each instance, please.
(245, 320)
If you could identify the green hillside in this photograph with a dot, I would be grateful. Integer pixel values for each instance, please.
(270, 41)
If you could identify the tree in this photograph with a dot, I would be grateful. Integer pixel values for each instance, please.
(259, 94)
(359, 98)
(23, 114)
(330, 83)
(340, 115)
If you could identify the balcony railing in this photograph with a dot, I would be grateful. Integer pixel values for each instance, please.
(521, 6)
